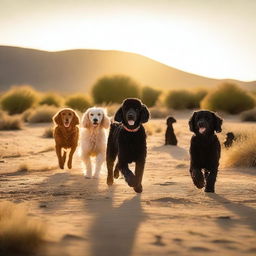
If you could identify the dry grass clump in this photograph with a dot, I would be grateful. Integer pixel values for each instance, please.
(249, 115)
(10, 122)
(159, 112)
(242, 153)
(42, 114)
(19, 234)
(78, 102)
(152, 128)
(48, 132)
(51, 99)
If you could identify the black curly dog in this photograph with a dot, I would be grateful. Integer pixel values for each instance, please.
(205, 149)
(170, 138)
(127, 140)
(230, 137)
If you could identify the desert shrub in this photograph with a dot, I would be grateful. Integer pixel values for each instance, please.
(180, 99)
(42, 114)
(242, 153)
(159, 112)
(10, 122)
(19, 234)
(51, 99)
(249, 115)
(18, 99)
(48, 132)
(199, 95)
(78, 102)
(149, 96)
(114, 89)
(229, 98)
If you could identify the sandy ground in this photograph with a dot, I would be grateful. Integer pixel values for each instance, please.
(171, 216)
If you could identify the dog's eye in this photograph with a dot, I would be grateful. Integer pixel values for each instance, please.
(99, 114)
(69, 114)
(91, 114)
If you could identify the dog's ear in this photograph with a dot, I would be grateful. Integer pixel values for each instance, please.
(75, 120)
(85, 119)
(217, 122)
(105, 121)
(191, 122)
(119, 115)
(57, 118)
(144, 114)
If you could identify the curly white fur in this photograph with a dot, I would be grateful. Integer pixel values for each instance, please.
(93, 139)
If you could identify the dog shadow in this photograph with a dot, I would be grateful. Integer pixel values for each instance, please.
(176, 152)
(246, 213)
(113, 231)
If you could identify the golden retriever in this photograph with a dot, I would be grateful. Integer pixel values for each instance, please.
(93, 139)
(66, 134)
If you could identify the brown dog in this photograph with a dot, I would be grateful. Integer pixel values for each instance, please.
(66, 134)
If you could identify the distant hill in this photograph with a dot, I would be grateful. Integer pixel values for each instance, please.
(77, 70)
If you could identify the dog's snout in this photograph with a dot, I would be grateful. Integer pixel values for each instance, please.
(95, 120)
(201, 123)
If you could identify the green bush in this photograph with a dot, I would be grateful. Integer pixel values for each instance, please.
(229, 98)
(42, 114)
(114, 89)
(18, 99)
(180, 99)
(199, 95)
(78, 102)
(149, 96)
(51, 99)
(249, 115)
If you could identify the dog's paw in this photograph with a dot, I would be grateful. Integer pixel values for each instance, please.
(110, 181)
(130, 179)
(138, 189)
(87, 176)
(198, 178)
(209, 190)
(116, 174)
(61, 166)
(69, 166)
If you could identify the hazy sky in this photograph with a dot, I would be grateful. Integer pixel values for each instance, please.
(215, 38)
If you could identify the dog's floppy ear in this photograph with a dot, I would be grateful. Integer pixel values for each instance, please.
(191, 122)
(217, 122)
(144, 114)
(85, 119)
(106, 120)
(75, 120)
(119, 115)
(57, 118)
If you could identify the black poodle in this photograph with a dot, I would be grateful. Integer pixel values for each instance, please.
(170, 138)
(230, 137)
(204, 149)
(127, 140)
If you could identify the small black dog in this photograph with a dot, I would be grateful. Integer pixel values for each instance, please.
(205, 149)
(127, 140)
(170, 138)
(230, 137)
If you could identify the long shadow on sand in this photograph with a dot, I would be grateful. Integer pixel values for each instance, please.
(113, 231)
(246, 213)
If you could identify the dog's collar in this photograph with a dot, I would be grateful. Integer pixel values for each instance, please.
(131, 130)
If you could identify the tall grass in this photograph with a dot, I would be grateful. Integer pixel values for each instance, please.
(19, 233)
(18, 99)
(10, 122)
(242, 153)
(229, 98)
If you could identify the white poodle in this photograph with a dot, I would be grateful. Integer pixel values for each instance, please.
(93, 139)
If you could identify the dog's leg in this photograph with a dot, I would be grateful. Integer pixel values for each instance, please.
(99, 162)
(88, 166)
(58, 152)
(111, 157)
(139, 170)
(128, 174)
(210, 182)
(197, 177)
(72, 151)
(116, 171)
(64, 157)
